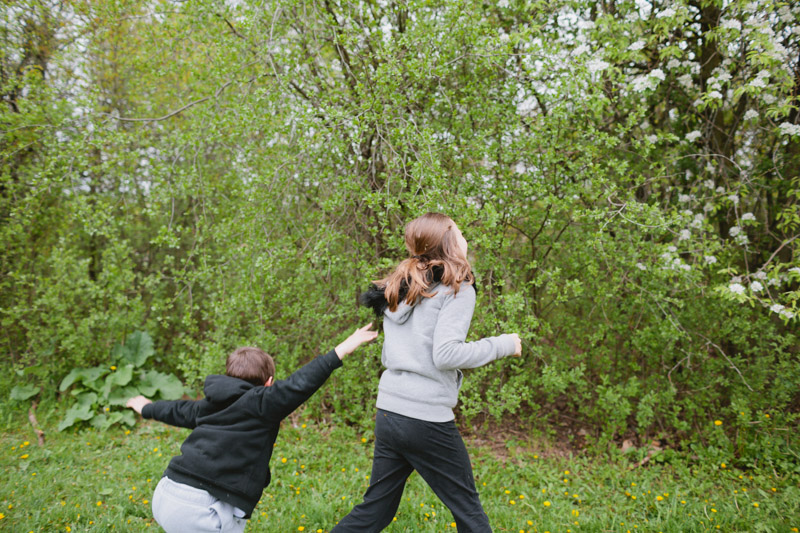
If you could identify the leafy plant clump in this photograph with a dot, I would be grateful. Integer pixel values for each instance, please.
(100, 392)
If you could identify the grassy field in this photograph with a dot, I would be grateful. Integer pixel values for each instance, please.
(91, 481)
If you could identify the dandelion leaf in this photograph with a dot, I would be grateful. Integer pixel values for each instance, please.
(137, 349)
(24, 392)
(169, 386)
(75, 414)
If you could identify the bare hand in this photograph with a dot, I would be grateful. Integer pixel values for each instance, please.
(137, 403)
(517, 345)
(356, 339)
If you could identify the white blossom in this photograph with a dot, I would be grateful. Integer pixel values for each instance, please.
(641, 83)
(760, 275)
(720, 189)
(672, 249)
(683, 198)
(686, 81)
(796, 270)
(756, 287)
(751, 114)
(732, 24)
(596, 65)
(768, 98)
(657, 73)
(684, 235)
(709, 184)
(640, 266)
(748, 216)
(734, 231)
(669, 12)
(652, 139)
(582, 49)
(736, 288)
(710, 259)
(693, 136)
(673, 64)
(786, 314)
(715, 95)
(733, 198)
(758, 83)
(776, 308)
(638, 45)
(586, 24)
(686, 267)
(788, 128)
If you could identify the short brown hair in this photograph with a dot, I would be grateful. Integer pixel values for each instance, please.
(250, 364)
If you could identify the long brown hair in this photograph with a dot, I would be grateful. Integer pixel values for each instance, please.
(432, 244)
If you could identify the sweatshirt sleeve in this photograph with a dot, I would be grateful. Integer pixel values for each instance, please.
(180, 413)
(450, 351)
(284, 396)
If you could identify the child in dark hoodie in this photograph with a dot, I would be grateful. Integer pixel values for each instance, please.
(216, 482)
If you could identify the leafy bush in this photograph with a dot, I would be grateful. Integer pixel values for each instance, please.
(100, 392)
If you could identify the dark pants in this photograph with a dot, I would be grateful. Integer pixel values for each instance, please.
(437, 452)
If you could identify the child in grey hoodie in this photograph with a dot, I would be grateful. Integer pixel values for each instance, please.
(427, 304)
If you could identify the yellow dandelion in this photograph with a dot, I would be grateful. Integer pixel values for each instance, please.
(284, 459)
(301, 528)
(507, 491)
(512, 502)
(26, 443)
(717, 422)
(566, 472)
(23, 456)
(452, 524)
(99, 503)
(544, 491)
(713, 510)
(2, 516)
(113, 367)
(530, 522)
(521, 496)
(363, 439)
(722, 465)
(773, 489)
(755, 504)
(659, 498)
(145, 502)
(575, 512)
(546, 504)
(633, 497)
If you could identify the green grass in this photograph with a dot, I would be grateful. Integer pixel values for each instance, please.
(90, 481)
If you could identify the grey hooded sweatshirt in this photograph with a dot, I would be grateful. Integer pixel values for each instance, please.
(424, 347)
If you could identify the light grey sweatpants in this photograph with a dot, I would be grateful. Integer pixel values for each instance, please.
(179, 508)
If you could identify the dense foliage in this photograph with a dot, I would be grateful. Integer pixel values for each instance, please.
(220, 173)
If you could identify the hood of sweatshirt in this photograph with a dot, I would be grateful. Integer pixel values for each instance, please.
(224, 390)
(375, 298)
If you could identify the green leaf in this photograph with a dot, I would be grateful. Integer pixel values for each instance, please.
(75, 414)
(120, 396)
(87, 376)
(23, 392)
(138, 348)
(169, 386)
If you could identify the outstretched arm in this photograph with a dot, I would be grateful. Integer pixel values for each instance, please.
(279, 400)
(137, 403)
(450, 351)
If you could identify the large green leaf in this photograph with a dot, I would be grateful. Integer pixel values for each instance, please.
(88, 376)
(119, 396)
(137, 349)
(118, 378)
(75, 414)
(169, 386)
(23, 392)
